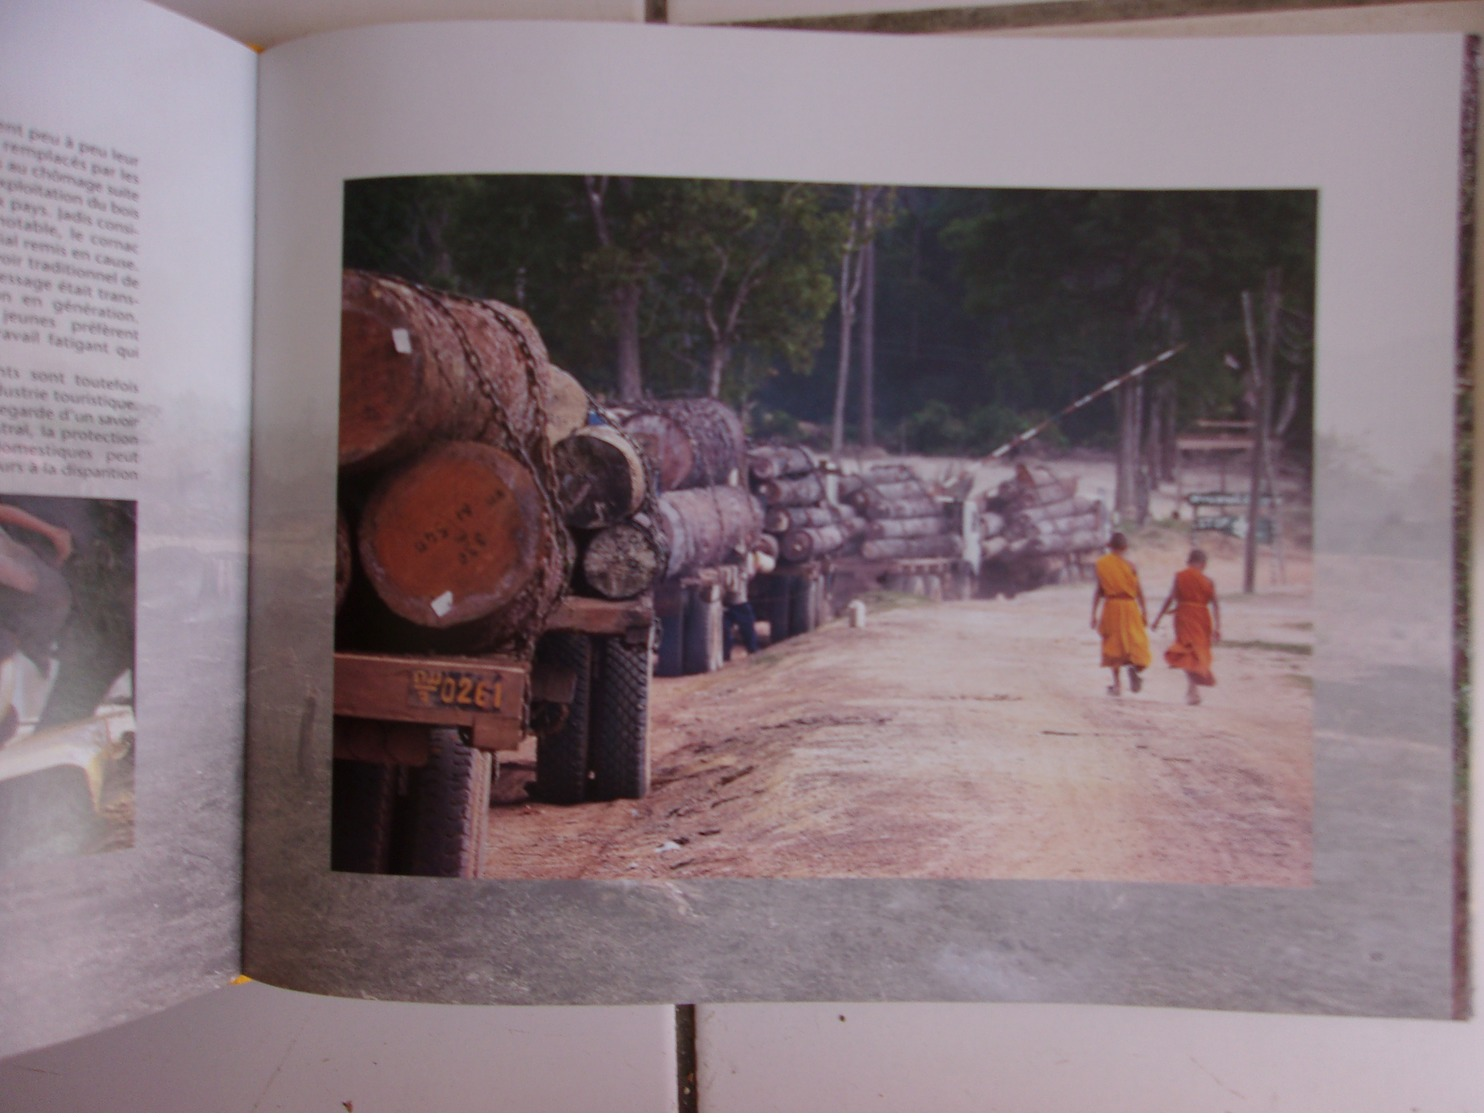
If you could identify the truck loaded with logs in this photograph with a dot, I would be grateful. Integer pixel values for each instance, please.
(480, 595)
(707, 519)
(1036, 529)
(841, 534)
(807, 529)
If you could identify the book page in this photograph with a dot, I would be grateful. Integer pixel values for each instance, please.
(125, 296)
(1354, 914)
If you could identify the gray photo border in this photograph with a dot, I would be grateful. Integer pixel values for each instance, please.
(1374, 936)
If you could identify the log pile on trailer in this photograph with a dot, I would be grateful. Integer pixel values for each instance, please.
(807, 529)
(797, 511)
(1036, 530)
(471, 487)
(902, 518)
(705, 519)
(912, 542)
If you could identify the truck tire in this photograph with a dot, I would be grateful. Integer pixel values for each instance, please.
(701, 646)
(775, 608)
(363, 801)
(561, 753)
(671, 660)
(448, 809)
(803, 604)
(618, 747)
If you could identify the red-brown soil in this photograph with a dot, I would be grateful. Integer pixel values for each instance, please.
(965, 740)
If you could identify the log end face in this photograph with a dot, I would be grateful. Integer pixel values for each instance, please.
(455, 537)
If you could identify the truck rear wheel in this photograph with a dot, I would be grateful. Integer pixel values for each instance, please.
(701, 646)
(618, 747)
(671, 660)
(363, 799)
(803, 604)
(448, 809)
(561, 753)
(773, 608)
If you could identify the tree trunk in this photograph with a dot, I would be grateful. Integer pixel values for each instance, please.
(708, 527)
(842, 368)
(781, 519)
(694, 443)
(904, 509)
(905, 529)
(715, 366)
(419, 366)
(626, 314)
(767, 462)
(808, 543)
(793, 492)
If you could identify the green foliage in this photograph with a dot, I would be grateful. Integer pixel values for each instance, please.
(993, 307)
(938, 428)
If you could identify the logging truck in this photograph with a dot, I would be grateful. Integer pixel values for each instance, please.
(842, 534)
(492, 582)
(707, 518)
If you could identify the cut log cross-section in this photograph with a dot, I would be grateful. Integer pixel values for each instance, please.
(600, 477)
(622, 561)
(456, 537)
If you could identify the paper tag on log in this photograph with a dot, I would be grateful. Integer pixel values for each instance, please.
(402, 340)
(442, 603)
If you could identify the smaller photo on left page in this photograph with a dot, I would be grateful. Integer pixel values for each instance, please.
(67, 597)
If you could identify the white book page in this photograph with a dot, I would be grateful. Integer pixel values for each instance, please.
(126, 169)
(1336, 116)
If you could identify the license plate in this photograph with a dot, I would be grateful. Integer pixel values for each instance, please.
(443, 689)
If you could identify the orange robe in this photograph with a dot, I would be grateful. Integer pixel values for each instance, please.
(1122, 624)
(1191, 651)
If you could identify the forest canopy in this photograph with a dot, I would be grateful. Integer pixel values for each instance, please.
(982, 310)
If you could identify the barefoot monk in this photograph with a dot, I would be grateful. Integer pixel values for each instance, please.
(1197, 624)
(1125, 643)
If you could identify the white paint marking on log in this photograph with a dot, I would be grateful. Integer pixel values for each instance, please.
(442, 603)
(401, 341)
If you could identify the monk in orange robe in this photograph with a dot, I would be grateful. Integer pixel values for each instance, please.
(1125, 642)
(1197, 624)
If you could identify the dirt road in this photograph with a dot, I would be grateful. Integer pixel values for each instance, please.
(960, 740)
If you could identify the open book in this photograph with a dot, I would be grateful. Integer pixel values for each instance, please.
(172, 218)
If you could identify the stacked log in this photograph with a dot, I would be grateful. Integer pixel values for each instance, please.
(694, 443)
(797, 512)
(448, 480)
(707, 527)
(420, 366)
(901, 518)
(1036, 528)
